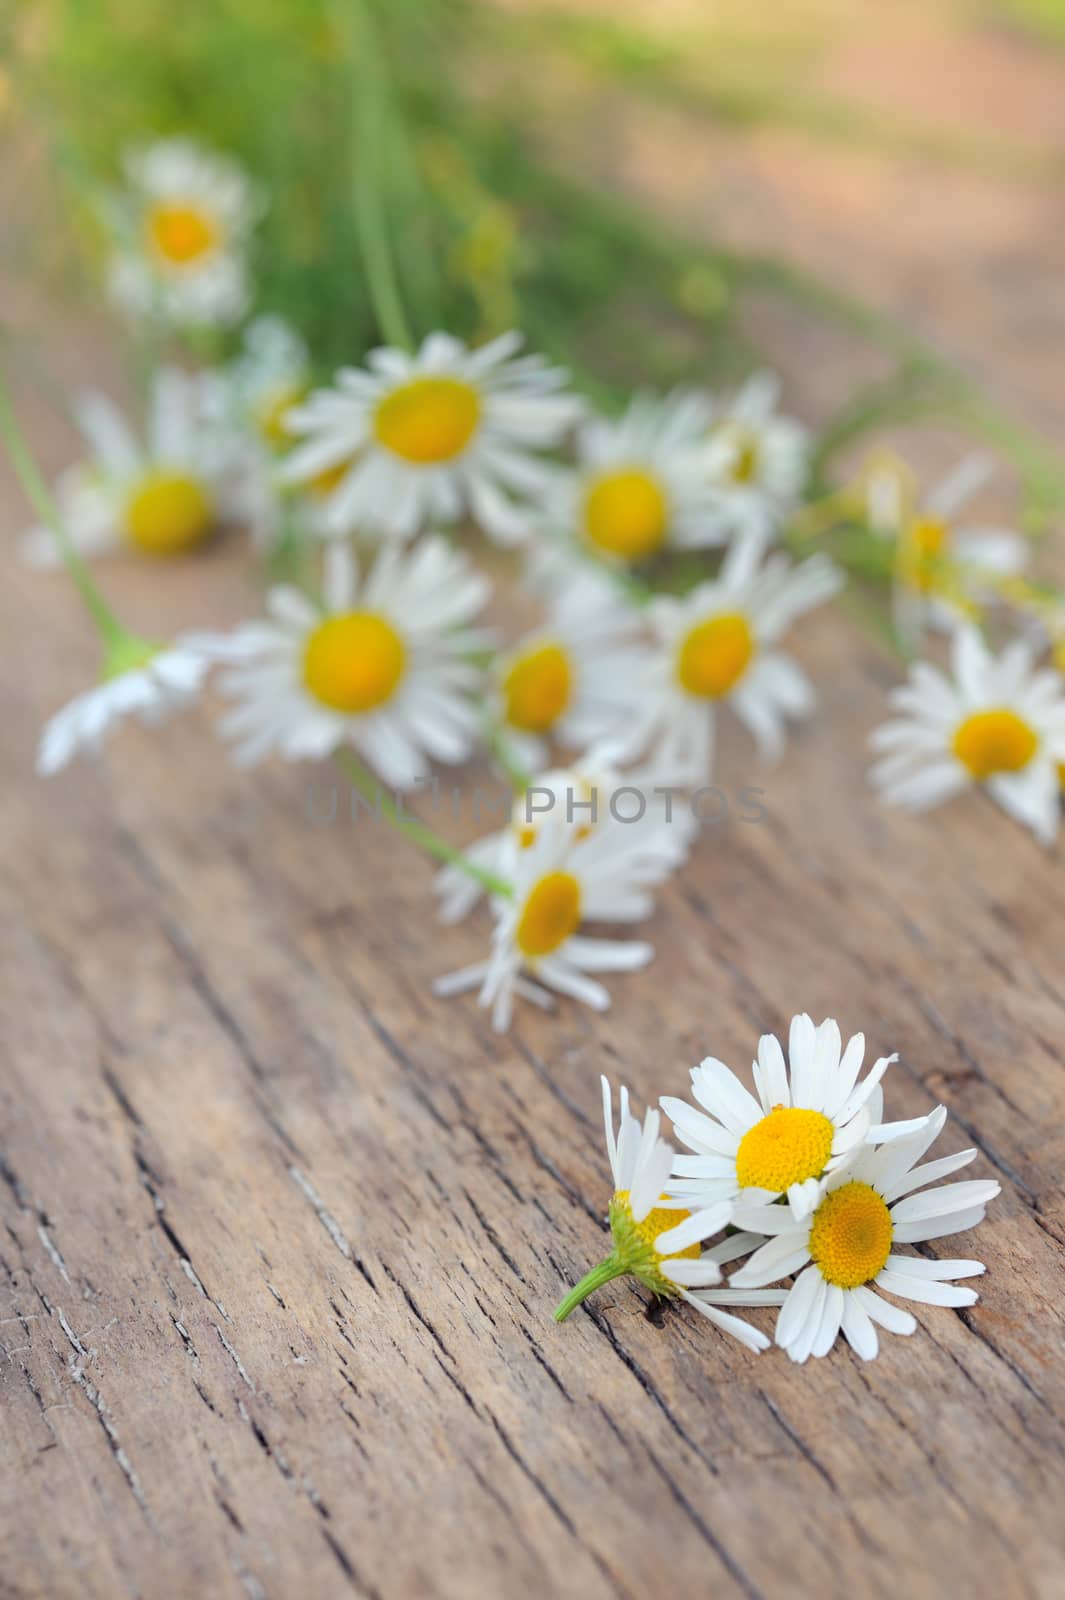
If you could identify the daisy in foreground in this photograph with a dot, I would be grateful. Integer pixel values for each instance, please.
(803, 1125)
(382, 665)
(430, 437)
(870, 1206)
(558, 882)
(655, 1241)
(757, 460)
(182, 229)
(997, 722)
(640, 482)
(163, 495)
(716, 645)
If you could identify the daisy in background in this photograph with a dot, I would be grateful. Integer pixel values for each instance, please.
(383, 665)
(163, 494)
(996, 721)
(574, 679)
(182, 227)
(580, 798)
(559, 882)
(639, 485)
(267, 379)
(804, 1124)
(431, 437)
(942, 570)
(716, 645)
(872, 1205)
(656, 1241)
(756, 459)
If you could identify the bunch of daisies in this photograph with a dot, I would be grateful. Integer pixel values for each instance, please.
(799, 1180)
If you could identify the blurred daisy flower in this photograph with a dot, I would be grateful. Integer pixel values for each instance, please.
(163, 495)
(997, 721)
(639, 485)
(271, 374)
(803, 1124)
(574, 679)
(382, 666)
(140, 679)
(942, 570)
(655, 1241)
(756, 460)
(875, 1203)
(560, 881)
(580, 798)
(716, 645)
(410, 440)
(182, 227)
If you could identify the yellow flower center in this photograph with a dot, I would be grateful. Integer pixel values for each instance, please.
(657, 1221)
(714, 656)
(850, 1236)
(551, 913)
(746, 456)
(181, 233)
(787, 1146)
(922, 552)
(354, 662)
(994, 741)
(323, 483)
(168, 512)
(428, 419)
(626, 513)
(537, 688)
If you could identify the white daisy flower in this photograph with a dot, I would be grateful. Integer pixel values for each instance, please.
(997, 722)
(655, 1241)
(580, 797)
(381, 666)
(757, 460)
(163, 495)
(429, 437)
(716, 645)
(269, 377)
(572, 680)
(558, 882)
(143, 680)
(942, 568)
(869, 1208)
(802, 1126)
(639, 485)
(182, 230)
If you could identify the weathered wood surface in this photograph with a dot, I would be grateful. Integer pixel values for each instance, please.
(282, 1234)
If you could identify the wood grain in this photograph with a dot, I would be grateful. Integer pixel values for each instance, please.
(281, 1235)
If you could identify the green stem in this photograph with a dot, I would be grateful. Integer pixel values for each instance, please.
(371, 135)
(40, 497)
(412, 829)
(603, 1273)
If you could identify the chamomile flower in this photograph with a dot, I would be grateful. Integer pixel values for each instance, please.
(581, 798)
(804, 1123)
(572, 680)
(716, 645)
(382, 665)
(756, 460)
(557, 883)
(943, 570)
(269, 377)
(162, 495)
(997, 721)
(639, 485)
(655, 1241)
(429, 437)
(869, 1207)
(140, 679)
(182, 228)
